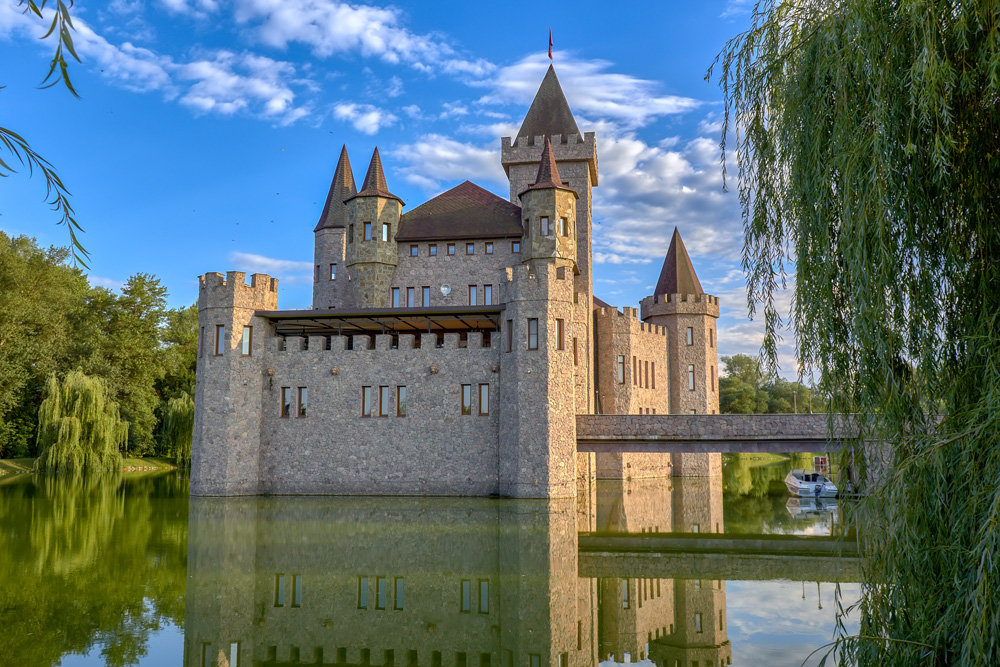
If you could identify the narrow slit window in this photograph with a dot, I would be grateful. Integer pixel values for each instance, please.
(691, 377)
(543, 225)
(652, 373)
(279, 590)
(484, 596)
(362, 592)
(563, 227)
(247, 341)
(509, 335)
(466, 596)
(620, 369)
(367, 401)
(532, 333)
(711, 337)
(488, 248)
(575, 357)
(350, 233)
(234, 654)
(397, 598)
(487, 295)
(560, 334)
(466, 399)
(220, 339)
(386, 231)
(395, 297)
(381, 589)
(296, 590)
(484, 399)
(286, 401)
(690, 336)
(303, 401)
(368, 231)
(713, 378)
(400, 401)
(333, 272)
(473, 295)
(635, 376)
(411, 297)
(647, 373)
(383, 401)
(697, 622)
(425, 296)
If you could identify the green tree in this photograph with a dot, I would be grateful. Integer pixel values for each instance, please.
(740, 390)
(869, 156)
(178, 428)
(79, 428)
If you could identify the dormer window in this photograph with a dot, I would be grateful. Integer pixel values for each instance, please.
(544, 225)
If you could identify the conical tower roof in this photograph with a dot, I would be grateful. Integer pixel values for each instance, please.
(341, 187)
(374, 183)
(549, 112)
(677, 275)
(548, 171)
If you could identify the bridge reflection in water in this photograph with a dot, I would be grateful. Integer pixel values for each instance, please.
(631, 570)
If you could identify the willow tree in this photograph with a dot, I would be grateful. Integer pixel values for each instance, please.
(178, 428)
(79, 427)
(867, 138)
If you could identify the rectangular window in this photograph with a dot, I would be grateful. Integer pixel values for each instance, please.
(697, 622)
(234, 654)
(466, 602)
(691, 377)
(563, 660)
(652, 373)
(397, 598)
(466, 399)
(333, 272)
(575, 359)
(220, 339)
(414, 251)
(395, 297)
(690, 336)
(303, 401)
(362, 592)
(563, 227)
(711, 337)
(484, 596)
(532, 333)
(451, 248)
(488, 295)
(470, 248)
(400, 401)
(620, 369)
(296, 590)
(543, 224)
(713, 378)
(534, 660)
(635, 375)
(488, 248)
(432, 249)
(350, 233)
(509, 335)
(368, 231)
(386, 231)
(383, 401)
(206, 655)
(473, 295)
(367, 401)
(286, 401)
(247, 342)
(484, 399)
(279, 590)
(515, 246)
(560, 335)
(381, 588)
(411, 297)
(647, 373)
(425, 296)
(623, 587)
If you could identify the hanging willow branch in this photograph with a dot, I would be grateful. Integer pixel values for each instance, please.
(867, 136)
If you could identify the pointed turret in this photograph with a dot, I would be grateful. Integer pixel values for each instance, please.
(374, 184)
(548, 171)
(549, 112)
(677, 275)
(341, 187)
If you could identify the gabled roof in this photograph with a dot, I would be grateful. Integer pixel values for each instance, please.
(549, 112)
(548, 172)
(467, 211)
(601, 303)
(341, 187)
(374, 185)
(677, 275)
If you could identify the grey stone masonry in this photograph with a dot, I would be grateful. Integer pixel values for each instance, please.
(330, 268)
(456, 271)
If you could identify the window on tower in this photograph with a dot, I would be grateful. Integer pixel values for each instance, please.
(543, 224)
(333, 272)
(690, 336)
(532, 333)
(368, 231)
(386, 229)
(691, 377)
(563, 227)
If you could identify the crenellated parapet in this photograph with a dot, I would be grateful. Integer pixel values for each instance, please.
(214, 291)
(567, 147)
(676, 304)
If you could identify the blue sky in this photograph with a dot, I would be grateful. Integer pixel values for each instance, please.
(208, 130)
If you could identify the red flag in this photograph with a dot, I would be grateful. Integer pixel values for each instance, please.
(550, 43)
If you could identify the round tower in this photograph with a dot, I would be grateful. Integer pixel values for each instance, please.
(689, 314)
(370, 251)
(331, 233)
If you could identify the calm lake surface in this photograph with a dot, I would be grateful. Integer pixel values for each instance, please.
(132, 571)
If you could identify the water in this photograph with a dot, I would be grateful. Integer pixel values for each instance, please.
(134, 572)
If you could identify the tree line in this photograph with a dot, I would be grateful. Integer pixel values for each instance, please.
(746, 389)
(137, 355)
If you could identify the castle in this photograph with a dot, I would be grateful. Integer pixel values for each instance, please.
(449, 348)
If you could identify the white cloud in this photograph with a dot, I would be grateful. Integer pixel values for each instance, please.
(198, 8)
(365, 118)
(108, 283)
(590, 89)
(284, 269)
(395, 87)
(434, 160)
(737, 8)
(330, 27)
(452, 109)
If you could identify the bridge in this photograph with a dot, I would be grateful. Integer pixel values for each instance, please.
(718, 556)
(671, 434)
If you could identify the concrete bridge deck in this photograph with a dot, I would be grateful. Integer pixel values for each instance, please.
(718, 556)
(670, 434)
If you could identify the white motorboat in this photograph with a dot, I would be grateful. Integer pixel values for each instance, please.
(810, 484)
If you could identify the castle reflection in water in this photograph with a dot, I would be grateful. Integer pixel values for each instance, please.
(445, 582)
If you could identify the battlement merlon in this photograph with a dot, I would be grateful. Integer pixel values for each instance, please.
(234, 292)
(676, 304)
(567, 148)
(627, 321)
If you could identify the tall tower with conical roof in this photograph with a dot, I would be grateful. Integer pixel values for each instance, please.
(680, 304)
(330, 234)
(549, 117)
(370, 253)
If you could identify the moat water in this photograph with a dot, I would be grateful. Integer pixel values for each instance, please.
(132, 571)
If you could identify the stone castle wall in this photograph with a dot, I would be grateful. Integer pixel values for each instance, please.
(458, 271)
(329, 250)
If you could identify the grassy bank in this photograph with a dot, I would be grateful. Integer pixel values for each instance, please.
(129, 464)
